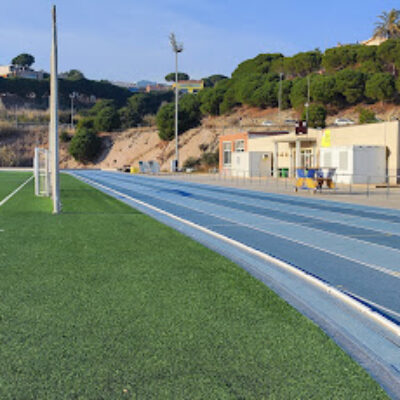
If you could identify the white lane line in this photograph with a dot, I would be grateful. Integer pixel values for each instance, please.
(385, 309)
(363, 309)
(241, 199)
(379, 268)
(15, 191)
(309, 224)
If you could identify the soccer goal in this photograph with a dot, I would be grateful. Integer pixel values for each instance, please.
(41, 167)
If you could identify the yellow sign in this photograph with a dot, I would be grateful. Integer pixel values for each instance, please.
(326, 138)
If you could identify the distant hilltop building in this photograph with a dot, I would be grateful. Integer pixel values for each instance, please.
(159, 87)
(189, 86)
(17, 71)
(374, 41)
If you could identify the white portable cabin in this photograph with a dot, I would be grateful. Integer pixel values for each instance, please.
(251, 164)
(356, 164)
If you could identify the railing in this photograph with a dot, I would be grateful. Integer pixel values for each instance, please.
(371, 186)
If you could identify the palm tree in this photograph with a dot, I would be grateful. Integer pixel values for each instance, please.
(388, 25)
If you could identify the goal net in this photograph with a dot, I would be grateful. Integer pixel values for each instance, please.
(41, 168)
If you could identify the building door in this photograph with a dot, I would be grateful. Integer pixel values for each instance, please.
(307, 158)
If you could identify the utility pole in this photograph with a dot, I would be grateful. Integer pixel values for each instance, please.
(280, 97)
(72, 97)
(308, 97)
(53, 137)
(177, 48)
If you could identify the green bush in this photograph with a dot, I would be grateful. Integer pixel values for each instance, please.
(65, 137)
(86, 123)
(84, 146)
(366, 116)
(316, 116)
(191, 162)
(210, 159)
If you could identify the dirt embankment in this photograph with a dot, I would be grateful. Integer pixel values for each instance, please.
(131, 146)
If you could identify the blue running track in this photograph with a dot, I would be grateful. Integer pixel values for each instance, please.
(352, 247)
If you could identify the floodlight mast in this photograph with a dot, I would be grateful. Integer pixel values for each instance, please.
(53, 137)
(177, 48)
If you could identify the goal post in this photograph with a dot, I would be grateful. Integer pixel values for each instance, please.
(41, 171)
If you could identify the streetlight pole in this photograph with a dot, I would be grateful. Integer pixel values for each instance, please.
(72, 97)
(308, 98)
(280, 97)
(177, 48)
(53, 142)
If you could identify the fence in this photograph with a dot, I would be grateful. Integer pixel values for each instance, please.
(366, 190)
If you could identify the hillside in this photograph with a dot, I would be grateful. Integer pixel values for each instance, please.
(135, 144)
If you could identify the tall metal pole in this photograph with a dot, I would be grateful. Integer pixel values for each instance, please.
(72, 96)
(176, 111)
(280, 97)
(55, 182)
(308, 97)
(177, 48)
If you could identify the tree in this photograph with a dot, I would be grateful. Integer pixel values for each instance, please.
(316, 116)
(324, 90)
(389, 53)
(338, 58)
(181, 77)
(212, 80)
(189, 116)
(388, 24)
(73, 75)
(298, 94)
(166, 121)
(302, 64)
(351, 84)
(84, 146)
(228, 102)
(380, 86)
(23, 60)
(107, 120)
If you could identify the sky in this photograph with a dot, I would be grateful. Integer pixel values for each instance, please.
(127, 40)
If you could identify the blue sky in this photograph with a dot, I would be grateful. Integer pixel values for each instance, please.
(128, 39)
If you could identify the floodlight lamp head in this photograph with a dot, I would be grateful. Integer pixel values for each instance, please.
(176, 47)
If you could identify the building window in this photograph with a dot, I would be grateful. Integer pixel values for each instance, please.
(239, 145)
(227, 149)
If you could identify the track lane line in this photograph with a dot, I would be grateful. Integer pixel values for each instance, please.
(363, 309)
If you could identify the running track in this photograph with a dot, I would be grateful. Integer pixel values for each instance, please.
(352, 247)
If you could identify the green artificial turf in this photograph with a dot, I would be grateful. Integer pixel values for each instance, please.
(9, 181)
(103, 302)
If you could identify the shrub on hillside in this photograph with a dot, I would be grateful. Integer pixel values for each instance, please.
(85, 146)
(316, 116)
(366, 116)
(191, 162)
(210, 159)
(86, 123)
